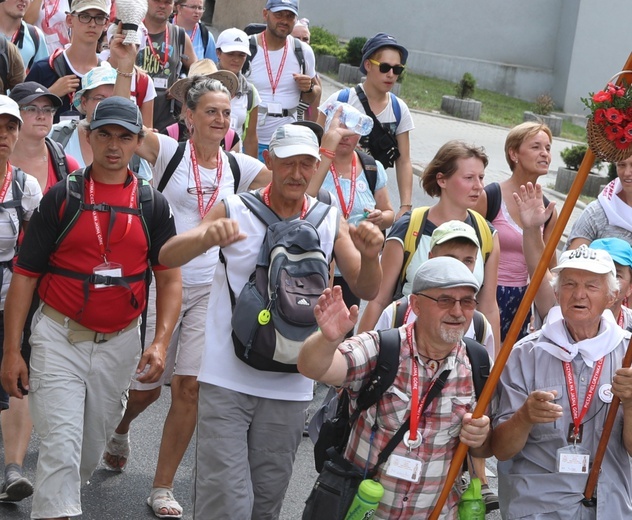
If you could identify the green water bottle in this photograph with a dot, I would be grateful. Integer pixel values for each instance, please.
(366, 500)
(472, 505)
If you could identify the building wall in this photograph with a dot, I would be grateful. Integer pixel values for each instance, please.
(237, 13)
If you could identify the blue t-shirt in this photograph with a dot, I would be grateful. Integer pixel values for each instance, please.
(198, 44)
(29, 50)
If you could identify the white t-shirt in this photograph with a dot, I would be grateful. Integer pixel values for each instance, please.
(184, 204)
(287, 92)
(386, 322)
(387, 115)
(220, 366)
(239, 110)
(9, 233)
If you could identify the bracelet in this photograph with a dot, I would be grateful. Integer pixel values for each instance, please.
(405, 206)
(125, 74)
(327, 153)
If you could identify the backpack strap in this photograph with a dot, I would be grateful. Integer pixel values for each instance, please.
(480, 326)
(204, 36)
(400, 307)
(229, 139)
(62, 131)
(134, 163)
(418, 218)
(483, 232)
(171, 166)
(57, 62)
(4, 66)
(370, 169)
(18, 180)
(60, 163)
(343, 95)
(397, 110)
(234, 168)
(298, 52)
(36, 42)
(479, 359)
(494, 198)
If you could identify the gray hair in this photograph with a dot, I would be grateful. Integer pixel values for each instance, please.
(201, 85)
(611, 282)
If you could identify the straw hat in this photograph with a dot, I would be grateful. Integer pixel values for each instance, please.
(206, 68)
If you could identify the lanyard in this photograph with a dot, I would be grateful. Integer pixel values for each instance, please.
(163, 63)
(620, 318)
(346, 209)
(6, 183)
(415, 404)
(572, 392)
(49, 14)
(195, 28)
(266, 200)
(95, 216)
(273, 83)
(198, 182)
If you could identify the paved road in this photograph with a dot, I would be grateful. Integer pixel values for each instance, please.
(111, 496)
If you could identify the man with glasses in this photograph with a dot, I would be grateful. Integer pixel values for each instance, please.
(276, 71)
(187, 15)
(91, 278)
(167, 51)
(62, 72)
(383, 61)
(444, 300)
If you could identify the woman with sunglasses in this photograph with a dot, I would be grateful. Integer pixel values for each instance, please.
(383, 61)
(187, 15)
(455, 175)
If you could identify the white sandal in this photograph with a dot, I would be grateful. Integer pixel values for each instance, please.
(162, 498)
(117, 446)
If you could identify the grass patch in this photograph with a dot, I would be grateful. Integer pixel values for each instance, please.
(424, 93)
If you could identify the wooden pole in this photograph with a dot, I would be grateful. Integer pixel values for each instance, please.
(521, 314)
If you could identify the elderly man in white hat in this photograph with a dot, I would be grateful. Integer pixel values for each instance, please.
(554, 395)
(250, 421)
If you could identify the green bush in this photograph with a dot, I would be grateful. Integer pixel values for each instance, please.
(543, 105)
(338, 52)
(321, 36)
(354, 50)
(465, 88)
(574, 155)
(612, 172)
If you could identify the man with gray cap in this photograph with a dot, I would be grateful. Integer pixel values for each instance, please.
(250, 421)
(554, 395)
(87, 251)
(444, 299)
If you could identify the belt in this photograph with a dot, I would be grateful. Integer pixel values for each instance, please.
(284, 113)
(78, 332)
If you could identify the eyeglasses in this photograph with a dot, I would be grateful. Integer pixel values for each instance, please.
(193, 7)
(100, 19)
(204, 190)
(447, 302)
(385, 67)
(32, 110)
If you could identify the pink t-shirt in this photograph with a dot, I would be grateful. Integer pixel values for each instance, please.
(512, 267)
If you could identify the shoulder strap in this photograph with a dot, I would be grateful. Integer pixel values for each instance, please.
(317, 213)
(343, 95)
(36, 42)
(229, 139)
(324, 196)
(252, 41)
(63, 131)
(397, 110)
(483, 232)
(494, 197)
(370, 169)
(204, 36)
(251, 98)
(146, 207)
(4, 65)
(72, 207)
(171, 167)
(60, 163)
(298, 51)
(182, 34)
(258, 208)
(234, 167)
(134, 163)
(399, 311)
(479, 360)
(414, 232)
(479, 326)
(17, 189)
(57, 62)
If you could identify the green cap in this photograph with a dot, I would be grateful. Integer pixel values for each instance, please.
(373, 491)
(473, 491)
(453, 229)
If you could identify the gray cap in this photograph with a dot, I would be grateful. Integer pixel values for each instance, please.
(443, 272)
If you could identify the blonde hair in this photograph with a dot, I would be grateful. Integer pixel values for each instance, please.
(519, 134)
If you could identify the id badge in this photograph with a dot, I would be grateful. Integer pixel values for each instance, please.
(233, 122)
(71, 115)
(107, 269)
(275, 109)
(52, 40)
(573, 459)
(161, 83)
(404, 468)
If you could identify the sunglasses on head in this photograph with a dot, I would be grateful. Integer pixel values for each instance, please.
(385, 67)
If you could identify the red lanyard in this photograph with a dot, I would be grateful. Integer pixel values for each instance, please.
(6, 183)
(163, 63)
(415, 404)
(198, 182)
(620, 318)
(195, 28)
(49, 14)
(572, 392)
(95, 216)
(266, 200)
(346, 209)
(273, 83)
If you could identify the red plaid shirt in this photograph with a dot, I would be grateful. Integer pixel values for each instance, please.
(440, 424)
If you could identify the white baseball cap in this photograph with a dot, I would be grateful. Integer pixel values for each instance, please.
(9, 107)
(290, 140)
(233, 40)
(453, 229)
(587, 259)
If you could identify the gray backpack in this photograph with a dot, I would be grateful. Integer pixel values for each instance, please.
(274, 312)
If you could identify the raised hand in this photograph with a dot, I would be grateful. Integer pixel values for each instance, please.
(333, 316)
(530, 202)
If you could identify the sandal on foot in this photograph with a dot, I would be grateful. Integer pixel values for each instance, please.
(162, 499)
(117, 446)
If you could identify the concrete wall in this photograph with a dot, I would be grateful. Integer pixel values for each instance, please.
(520, 48)
(237, 13)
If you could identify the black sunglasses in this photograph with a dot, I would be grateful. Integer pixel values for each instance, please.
(385, 67)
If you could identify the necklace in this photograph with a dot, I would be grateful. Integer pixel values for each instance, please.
(431, 363)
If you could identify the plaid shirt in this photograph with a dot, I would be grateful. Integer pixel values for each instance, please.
(440, 424)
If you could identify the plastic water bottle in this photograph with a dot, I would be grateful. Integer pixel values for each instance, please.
(351, 117)
(472, 505)
(366, 500)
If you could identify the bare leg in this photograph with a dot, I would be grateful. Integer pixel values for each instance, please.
(16, 430)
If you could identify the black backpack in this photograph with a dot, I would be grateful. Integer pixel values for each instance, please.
(18, 180)
(60, 163)
(298, 52)
(4, 65)
(334, 433)
(19, 41)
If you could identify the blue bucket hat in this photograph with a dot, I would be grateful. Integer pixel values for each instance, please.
(620, 250)
(376, 43)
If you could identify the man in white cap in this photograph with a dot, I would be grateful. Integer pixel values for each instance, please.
(431, 348)
(250, 421)
(554, 395)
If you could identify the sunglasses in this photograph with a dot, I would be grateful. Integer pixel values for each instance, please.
(385, 67)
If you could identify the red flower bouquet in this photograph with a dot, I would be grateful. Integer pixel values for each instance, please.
(610, 123)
